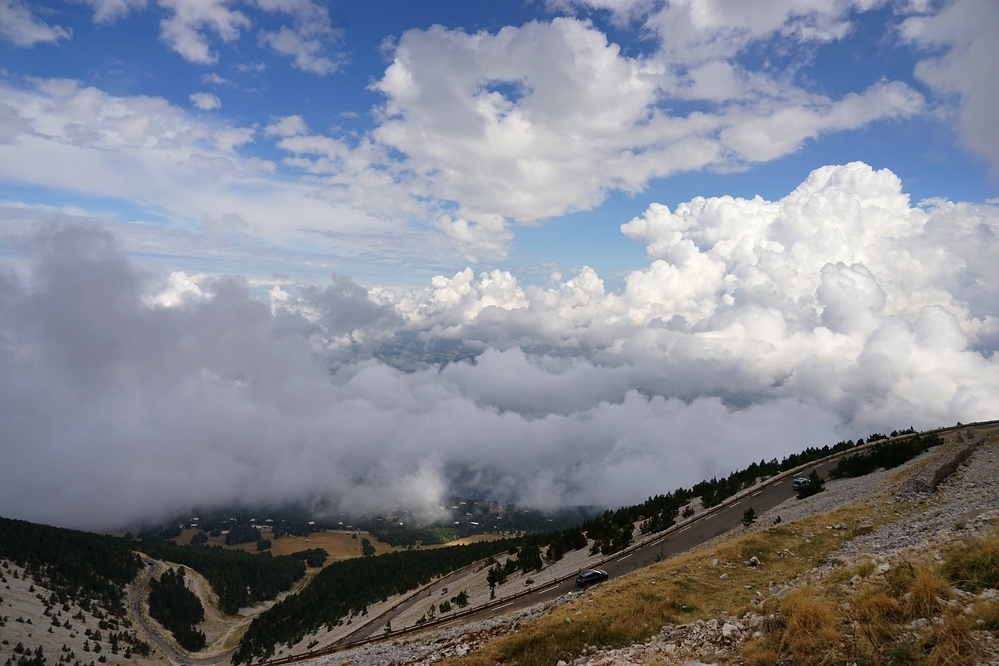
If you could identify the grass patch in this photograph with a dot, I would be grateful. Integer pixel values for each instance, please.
(986, 615)
(951, 643)
(803, 628)
(834, 624)
(924, 589)
(627, 617)
(974, 566)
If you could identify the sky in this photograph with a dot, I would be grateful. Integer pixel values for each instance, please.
(555, 252)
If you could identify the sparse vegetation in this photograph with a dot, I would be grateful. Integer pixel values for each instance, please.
(631, 609)
(803, 628)
(814, 626)
(902, 615)
(974, 566)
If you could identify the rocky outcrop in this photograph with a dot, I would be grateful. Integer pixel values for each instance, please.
(928, 478)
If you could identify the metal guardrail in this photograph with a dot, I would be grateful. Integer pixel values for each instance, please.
(661, 536)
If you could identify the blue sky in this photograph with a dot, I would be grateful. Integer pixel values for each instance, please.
(797, 58)
(677, 236)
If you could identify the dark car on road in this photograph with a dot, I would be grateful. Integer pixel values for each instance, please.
(590, 576)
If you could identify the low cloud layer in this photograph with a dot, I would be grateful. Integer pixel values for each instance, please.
(120, 405)
(757, 329)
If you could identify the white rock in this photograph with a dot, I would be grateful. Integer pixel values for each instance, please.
(731, 631)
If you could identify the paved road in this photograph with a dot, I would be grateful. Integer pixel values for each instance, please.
(677, 542)
(377, 625)
(153, 636)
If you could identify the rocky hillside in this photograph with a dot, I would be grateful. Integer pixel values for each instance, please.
(876, 569)
(37, 628)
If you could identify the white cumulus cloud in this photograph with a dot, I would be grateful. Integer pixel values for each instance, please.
(204, 394)
(109, 11)
(206, 101)
(308, 39)
(747, 298)
(59, 134)
(534, 121)
(287, 126)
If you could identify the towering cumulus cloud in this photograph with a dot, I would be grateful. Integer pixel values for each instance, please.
(842, 295)
(757, 329)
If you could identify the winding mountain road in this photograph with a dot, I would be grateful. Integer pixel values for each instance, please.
(168, 649)
(686, 538)
(711, 524)
(673, 543)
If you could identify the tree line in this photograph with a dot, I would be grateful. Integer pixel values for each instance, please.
(887, 454)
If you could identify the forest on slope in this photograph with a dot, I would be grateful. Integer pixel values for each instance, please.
(240, 579)
(76, 566)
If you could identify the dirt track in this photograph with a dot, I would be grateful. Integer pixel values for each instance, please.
(155, 634)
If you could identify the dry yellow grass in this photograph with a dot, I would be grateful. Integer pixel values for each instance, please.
(988, 613)
(951, 643)
(475, 538)
(802, 626)
(974, 566)
(924, 590)
(339, 545)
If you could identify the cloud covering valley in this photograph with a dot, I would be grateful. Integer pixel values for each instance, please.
(758, 328)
